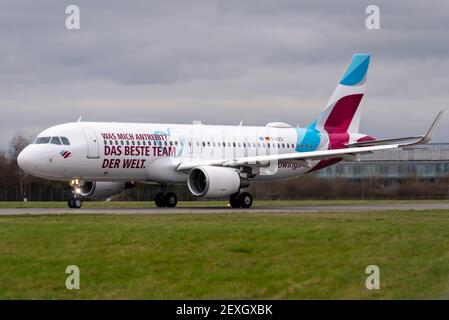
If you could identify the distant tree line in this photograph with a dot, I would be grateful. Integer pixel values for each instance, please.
(15, 185)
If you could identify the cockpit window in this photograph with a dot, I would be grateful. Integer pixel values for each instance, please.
(65, 141)
(52, 140)
(43, 140)
(55, 140)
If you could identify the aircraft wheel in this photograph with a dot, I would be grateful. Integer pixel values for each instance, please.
(234, 200)
(159, 200)
(245, 199)
(170, 200)
(77, 203)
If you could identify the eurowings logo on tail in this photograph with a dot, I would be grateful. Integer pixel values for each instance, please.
(342, 114)
(65, 154)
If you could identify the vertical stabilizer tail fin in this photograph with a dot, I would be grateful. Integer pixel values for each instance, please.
(342, 113)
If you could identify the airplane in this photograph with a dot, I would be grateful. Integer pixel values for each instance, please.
(102, 159)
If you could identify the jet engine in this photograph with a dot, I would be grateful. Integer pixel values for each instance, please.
(214, 182)
(102, 189)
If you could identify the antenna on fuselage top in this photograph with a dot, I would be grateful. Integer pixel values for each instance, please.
(79, 119)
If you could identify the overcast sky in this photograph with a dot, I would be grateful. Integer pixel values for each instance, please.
(220, 62)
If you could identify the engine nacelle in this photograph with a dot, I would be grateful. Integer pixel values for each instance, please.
(103, 189)
(213, 182)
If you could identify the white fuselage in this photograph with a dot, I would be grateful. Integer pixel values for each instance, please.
(104, 151)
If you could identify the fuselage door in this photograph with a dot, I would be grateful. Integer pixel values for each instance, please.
(93, 147)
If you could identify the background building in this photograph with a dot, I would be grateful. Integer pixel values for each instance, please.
(425, 162)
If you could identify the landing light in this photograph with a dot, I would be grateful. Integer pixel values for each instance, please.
(74, 182)
(77, 190)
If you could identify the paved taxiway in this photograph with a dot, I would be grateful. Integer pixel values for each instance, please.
(199, 210)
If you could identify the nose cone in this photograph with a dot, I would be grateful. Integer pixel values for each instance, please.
(25, 161)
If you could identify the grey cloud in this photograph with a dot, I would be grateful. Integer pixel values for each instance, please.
(178, 61)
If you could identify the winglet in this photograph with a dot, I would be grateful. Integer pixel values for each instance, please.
(429, 134)
(432, 128)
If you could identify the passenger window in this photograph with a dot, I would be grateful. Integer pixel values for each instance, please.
(65, 141)
(55, 140)
(43, 140)
(105, 142)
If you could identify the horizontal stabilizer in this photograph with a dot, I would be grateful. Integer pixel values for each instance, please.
(383, 141)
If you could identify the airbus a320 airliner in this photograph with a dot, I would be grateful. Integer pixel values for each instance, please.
(101, 159)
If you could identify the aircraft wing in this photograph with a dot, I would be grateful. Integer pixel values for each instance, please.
(346, 153)
(421, 139)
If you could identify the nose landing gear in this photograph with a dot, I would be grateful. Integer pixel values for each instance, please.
(75, 202)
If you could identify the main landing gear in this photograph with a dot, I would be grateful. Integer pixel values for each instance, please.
(166, 199)
(241, 200)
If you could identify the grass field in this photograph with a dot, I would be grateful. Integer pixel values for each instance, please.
(209, 203)
(255, 256)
